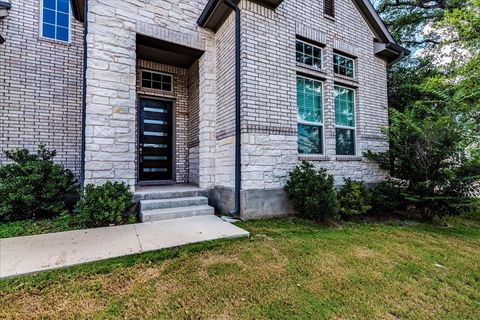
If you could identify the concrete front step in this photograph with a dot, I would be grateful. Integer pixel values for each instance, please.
(172, 203)
(169, 192)
(175, 213)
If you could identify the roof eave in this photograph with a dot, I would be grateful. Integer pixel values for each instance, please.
(390, 51)
(78, 9)
(216, 11)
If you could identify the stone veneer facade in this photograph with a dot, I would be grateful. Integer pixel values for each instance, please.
(40, 86)
(205, 94)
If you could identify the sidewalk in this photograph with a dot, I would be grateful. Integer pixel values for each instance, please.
(50, 251)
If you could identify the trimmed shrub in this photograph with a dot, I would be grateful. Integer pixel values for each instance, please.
(33, 186)
(312, 192)
(110, 203)
(354, 199)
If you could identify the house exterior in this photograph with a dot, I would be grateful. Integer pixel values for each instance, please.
(144, 91)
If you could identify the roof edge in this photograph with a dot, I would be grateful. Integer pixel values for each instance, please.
(78, 9)
(216, 11)
(5, 5)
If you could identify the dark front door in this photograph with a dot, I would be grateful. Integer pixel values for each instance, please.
(156, 140)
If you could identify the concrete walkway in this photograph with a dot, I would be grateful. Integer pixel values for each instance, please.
(56, 250)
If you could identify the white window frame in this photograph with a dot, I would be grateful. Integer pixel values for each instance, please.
(313, 124)
(55, 25)
(349, 58)
(156, 72)
(354, 128)
(314, 46)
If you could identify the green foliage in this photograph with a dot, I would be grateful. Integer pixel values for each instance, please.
(387, 198)
(312, 192)
(408, 20)
(434, 146)
(110, 203)
(354, 199)
(33, 186)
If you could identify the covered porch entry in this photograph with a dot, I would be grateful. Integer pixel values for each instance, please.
(167, 87)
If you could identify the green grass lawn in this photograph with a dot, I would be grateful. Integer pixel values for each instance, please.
(32, 227)
(288, 269)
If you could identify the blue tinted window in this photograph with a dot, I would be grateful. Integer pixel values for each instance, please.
(48, 16)
(50, 4)
(62, 19)
(56, 19)
(49, 31)
(62, 34)
(63, 6)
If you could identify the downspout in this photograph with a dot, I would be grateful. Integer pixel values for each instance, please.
(235, 212)
(84, 96)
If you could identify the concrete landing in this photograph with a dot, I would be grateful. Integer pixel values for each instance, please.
(24, 255)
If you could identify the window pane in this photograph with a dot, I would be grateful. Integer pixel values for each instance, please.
(166, 78)
(48, 31)
(310, 139)
(62, 20)
(146, 75)
(156, 77)
(308, 60)
(309, 100)
(317, 52)
(167, 86)
(308, 50)
(63, 6)
(345, 141)
(49, 16)
(343, 66)
(156, 85)
(146, 83)
(299, 46)
(50, 4)
(62, 34)
(344, 107)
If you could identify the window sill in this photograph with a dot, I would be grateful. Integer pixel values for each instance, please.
(54, 41)
(326, 16)
(313, 157)
(311, 69)
(348, 158)
(352, 82)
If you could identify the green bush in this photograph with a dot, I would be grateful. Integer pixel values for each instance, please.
(312, 192)
(110, 203)
(387, 198)
(354, 199)
(33, 187)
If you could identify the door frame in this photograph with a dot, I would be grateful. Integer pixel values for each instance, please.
(174, 140)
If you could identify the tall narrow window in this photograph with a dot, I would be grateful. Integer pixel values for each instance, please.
(55, 19)
(343, 65)
(345, 124)
(309, 54)
(310, 116)
(329, 7)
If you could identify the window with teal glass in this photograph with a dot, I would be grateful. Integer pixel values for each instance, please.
(343, 66)
(345, 125)
(309, 54)
(310, 116)
(55, 19)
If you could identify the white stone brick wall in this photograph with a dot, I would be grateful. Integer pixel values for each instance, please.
(40, 86)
